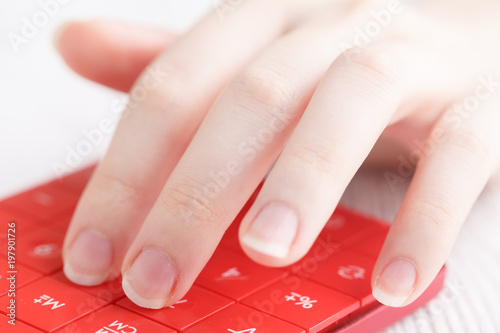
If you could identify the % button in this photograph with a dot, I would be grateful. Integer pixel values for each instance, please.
(305, 301)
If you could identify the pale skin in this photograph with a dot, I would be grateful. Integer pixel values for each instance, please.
(212, 109)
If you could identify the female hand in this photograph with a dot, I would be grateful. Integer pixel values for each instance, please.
(257, 81)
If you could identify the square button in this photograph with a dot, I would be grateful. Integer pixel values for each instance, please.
(349, 228)
(303, 303)
(108, 291)
(21, 227)
(49, 304)
(113, 319)
(76, 182)
(238, 318)
(372, 245)
(17, 275)
(350, 273)
(41, 250)
(60, 224)
(230, 238)
(44, 202)
(234, 275)
(321, 251)
(195, 306)
(22, 222)
(19, 327)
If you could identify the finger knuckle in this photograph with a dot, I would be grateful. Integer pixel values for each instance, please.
(119, 190)
(266, 91)
(468, 142)
(374, 67)
(190, 204)
(437, 212)
(168, 95)
(315, 155)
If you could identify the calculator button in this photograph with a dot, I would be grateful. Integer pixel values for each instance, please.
(303, 303)
(44, 202)
(195, 306)
(234, 275)
(230, 238)
(77, 181)
(22, 226)
(49, 304)
(109, 291)
(17, 274)
(61, 224)
(19, 327)
(41, 250)
(372, 245)
(349, 228)
(113, 319)
(22, 223)
(238, 318)
(348, 272)
(322, 249)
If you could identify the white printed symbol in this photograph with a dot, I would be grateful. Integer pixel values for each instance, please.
(250, 330)
(44, 199)
(336, 222)
(305, 301)
(231, 274)
(48, 301)
(351, 272)
(120, 328)
(45, 250)
(178, 302)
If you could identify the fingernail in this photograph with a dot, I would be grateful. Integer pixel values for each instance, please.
(396, 282)
(273, 230)
(149, 280)
(89, 259)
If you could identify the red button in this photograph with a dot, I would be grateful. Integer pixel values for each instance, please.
(41, 250)
(22, 222)
(109, 291)
(14, 275)
(44, 202)
(348, 272)
(195, 306)
(348, 227)
(19, 327)
(49, 304)
(15, 225)
(230, 238)
(303, 303)
(61, 224)
(235, 276)
(113, 319)
(372, 245)
(76, 181)
(322, 249)
(238, 318)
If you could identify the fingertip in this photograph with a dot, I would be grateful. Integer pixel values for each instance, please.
(396, 283)
(148, 303)
(89, 259)
(273, 231)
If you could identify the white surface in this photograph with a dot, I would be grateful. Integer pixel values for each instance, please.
(44, 108)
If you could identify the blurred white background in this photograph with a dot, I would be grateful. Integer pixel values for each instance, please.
(44, 106)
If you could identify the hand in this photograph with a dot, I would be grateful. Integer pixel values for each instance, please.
(266, 79)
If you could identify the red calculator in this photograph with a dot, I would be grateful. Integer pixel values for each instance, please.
(327, 291)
